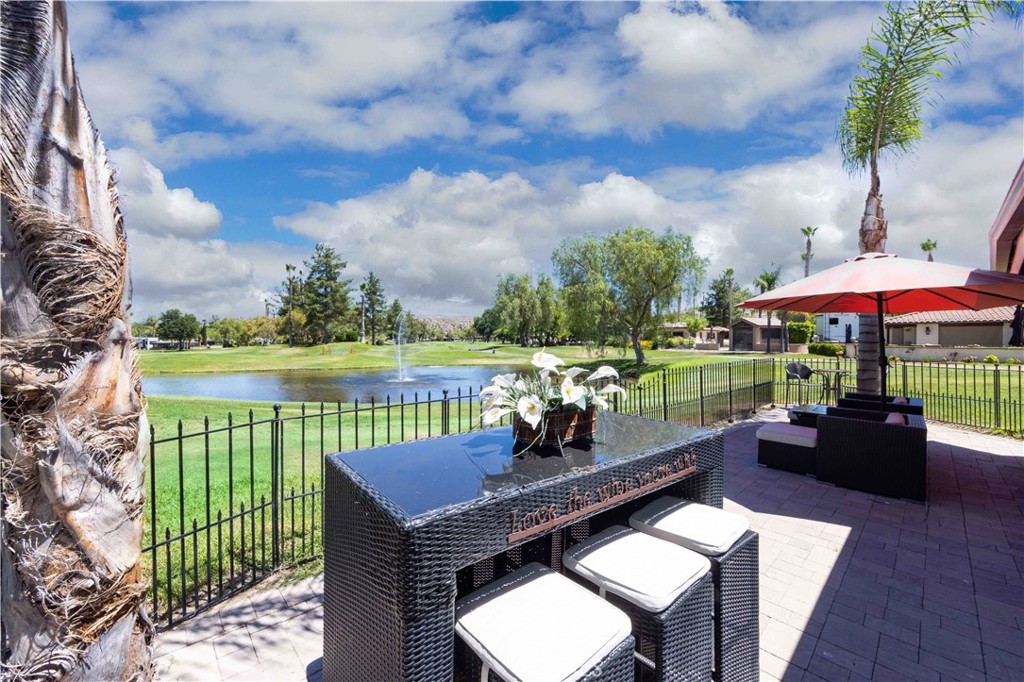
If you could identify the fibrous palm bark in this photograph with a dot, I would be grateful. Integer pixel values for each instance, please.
(73, 431)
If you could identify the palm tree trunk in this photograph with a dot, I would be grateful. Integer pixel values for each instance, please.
(873, 233)
(73, 425)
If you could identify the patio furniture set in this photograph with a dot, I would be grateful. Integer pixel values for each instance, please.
(855, 444)
(462, 558)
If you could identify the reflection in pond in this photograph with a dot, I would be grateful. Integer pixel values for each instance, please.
(318, 385)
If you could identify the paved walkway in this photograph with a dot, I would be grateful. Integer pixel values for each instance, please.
(853, 586)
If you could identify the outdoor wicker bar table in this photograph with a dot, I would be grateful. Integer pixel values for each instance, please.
(401, 520)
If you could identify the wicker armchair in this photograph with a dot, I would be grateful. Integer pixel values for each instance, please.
(868, 401)
(857, 449)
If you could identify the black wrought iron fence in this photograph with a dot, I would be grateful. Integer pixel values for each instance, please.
(230, 504)
(975, 394)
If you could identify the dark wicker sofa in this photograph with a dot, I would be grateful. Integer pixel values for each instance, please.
(866, 401)
(857, 449)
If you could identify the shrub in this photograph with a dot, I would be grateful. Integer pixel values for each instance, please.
(674, 342)
(968, 358)
(689, 343)
(1013, 361)
(646, 344)
(991, 360)
(926, 358)
(800, 332)
(832, 350)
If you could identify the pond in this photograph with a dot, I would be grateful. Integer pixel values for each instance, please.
(318, 385)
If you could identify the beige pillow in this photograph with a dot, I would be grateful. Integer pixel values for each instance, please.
(895, 418)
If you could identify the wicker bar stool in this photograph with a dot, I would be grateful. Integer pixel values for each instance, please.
(726, 539)
(665, 589)
(536, 624)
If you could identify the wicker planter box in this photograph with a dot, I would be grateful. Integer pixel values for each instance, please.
(556, 428)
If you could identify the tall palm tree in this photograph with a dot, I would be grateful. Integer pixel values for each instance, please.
(807, 232)
(768, 279)
(883, 115)
(929, 245)
(73, 419)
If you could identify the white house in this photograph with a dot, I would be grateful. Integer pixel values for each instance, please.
(833, 327)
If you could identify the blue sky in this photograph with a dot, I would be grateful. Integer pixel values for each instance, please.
(440, 145)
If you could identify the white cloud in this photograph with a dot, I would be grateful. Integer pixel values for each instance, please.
(434, 238)
(208, 276)
(200, 80)
(153, 207)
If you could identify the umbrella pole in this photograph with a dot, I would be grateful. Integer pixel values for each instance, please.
(883, 361)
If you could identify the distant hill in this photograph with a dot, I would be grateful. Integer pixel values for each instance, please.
(446, 324)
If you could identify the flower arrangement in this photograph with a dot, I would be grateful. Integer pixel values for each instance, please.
(534, 398)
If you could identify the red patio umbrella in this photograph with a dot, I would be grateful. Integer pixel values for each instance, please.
(884, 283)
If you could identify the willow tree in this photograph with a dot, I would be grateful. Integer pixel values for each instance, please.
(73, 426)
(883, 115)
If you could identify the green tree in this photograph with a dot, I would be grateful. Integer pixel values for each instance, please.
(487, 324)
(229, 331)
(518, 307)
(178, 326)
(806, 256)
(929, 245)
(261, 327)
(695, 324)
(692, 281)
(145, 328)
(325, 294)
(715, 305)
(549, 315)
(641, 274)
(883, 116)
(768, 279)
(374, 305)
(393, 320)
(294, 322)
(587, 303)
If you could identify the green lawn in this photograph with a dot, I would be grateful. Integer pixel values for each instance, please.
(350, 356)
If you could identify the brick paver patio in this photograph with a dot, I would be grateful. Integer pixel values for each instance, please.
(853, 586)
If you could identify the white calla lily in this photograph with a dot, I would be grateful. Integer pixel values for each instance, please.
(600, 402)
(603, 372)
(546, 361)
(490, 392)
(531, 409)
(572, 393)
(574, 372)
(503, 380)
(492, 415)
(612, 388)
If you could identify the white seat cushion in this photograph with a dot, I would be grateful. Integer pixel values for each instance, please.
(801, 436)
(899, 400)
(641, 569)
(703, 529)
(895, 418)
(510, 625)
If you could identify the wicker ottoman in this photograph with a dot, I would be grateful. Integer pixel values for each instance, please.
(665, 589)
(787, 447)
(725, 538)
(507, 631)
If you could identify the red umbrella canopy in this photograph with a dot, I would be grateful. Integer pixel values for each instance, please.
(904, 286)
